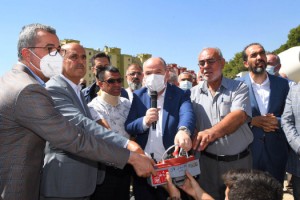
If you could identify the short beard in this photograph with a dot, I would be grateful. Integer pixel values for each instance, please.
(134, 86)
(258, 70)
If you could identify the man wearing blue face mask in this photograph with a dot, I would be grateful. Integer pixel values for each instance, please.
(274, 65)
(174, 121)
(185, 80)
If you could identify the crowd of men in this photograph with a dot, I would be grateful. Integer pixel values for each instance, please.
(63, 140)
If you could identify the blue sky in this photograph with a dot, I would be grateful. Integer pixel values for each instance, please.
(173, 29)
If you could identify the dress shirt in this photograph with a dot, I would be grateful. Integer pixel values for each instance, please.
(210, 110)
(114, 115)
(262, 94)
(76, 88)
(130, 94)
(155, 138)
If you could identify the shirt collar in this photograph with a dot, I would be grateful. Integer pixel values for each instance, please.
(77, 88)
(204, 89)
(40, 81)
(265, 83)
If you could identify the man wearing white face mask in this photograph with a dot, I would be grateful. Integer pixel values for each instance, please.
(174, 119)
(29, 119)
(185, 80)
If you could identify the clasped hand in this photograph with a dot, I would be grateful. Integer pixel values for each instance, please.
(268, 122)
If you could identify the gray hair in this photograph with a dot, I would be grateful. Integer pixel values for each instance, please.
(215, 48)
(28, 34)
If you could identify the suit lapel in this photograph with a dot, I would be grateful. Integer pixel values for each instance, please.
(86, 108)
(168, 104)
(146, 99)
(254, 105)
(68, 87)
(273, 87)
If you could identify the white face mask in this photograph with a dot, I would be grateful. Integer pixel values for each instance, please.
(50, 65)
(155, 82)
(185, 85)
(270, 69)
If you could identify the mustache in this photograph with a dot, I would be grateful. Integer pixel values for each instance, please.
(79, 65)
(135, 79)
(261, 61)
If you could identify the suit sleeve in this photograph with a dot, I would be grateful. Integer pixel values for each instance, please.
(186, 113)
(64, 103)
(34, 109)
(288, 122)
(134, 121)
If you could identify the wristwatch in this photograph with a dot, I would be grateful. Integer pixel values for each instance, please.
(184, 128)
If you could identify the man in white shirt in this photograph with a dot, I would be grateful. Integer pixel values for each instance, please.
(113, 111)
(66, 176)
(134, 76)
(156, 129)
(267, 95)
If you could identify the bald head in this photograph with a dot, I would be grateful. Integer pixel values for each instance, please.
(158, 62)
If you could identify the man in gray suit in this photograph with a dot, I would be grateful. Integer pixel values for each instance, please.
(61, 169)
(28, 119)
(290, 121)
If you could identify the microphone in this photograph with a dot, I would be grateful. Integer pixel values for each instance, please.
(153, 96)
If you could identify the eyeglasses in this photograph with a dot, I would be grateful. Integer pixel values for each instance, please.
(101, 66)
(112, 81)
(135, 73)
(208, 61)
(52, 51)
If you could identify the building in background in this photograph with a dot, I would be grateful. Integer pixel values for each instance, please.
(117, 59)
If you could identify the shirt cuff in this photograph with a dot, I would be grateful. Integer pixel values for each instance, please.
(145, 127)
(126, 143)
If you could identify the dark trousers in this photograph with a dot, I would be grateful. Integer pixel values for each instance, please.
(296, 187)
(116, 184)
(57, 198)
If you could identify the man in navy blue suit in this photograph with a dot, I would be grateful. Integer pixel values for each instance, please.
(174, 119)
(267, 95)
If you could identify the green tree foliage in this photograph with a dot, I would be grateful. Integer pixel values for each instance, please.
(293, 40)
(235, 65)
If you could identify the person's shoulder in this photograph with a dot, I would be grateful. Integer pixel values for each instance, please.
(280, 80)
(88, 89)
(196, 89)
(124, 100)
(242, 78)
(54, 81)
(141, 91)
(234, 85)
(18, 80)
(174, 88)
(295, 88)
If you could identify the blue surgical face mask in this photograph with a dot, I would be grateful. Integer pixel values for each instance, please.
(185, 85)
(270, 69)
